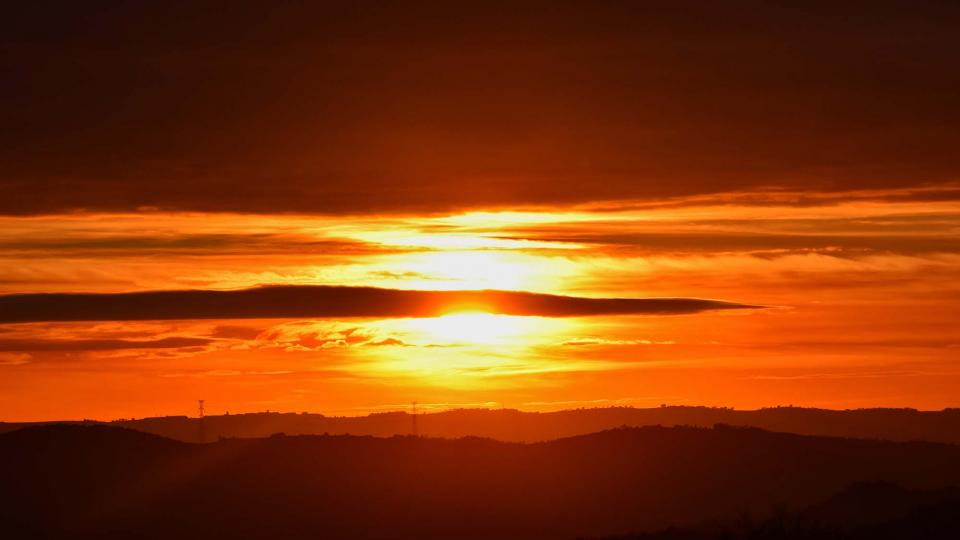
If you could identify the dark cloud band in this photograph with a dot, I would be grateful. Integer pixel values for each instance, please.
(65, 345)
(327, 301)
(860, 99)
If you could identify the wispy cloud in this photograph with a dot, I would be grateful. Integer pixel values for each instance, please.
(328, 301)
(51, 345)
(13, 359)
(585, 341)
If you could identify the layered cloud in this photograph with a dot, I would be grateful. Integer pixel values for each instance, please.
(98, 345)
(599, 156)
(486, 104)
(328, 301)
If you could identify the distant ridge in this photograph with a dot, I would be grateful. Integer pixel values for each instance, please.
(518, 426)
(863, 511)
(75, 481)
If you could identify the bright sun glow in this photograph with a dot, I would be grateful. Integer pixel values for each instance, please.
(482, 269)
(472, 349)
(415, 238)
(475, 328)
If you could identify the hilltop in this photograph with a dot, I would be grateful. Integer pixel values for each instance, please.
(75, 481)
(518, 426)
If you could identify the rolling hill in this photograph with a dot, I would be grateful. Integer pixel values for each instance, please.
(75, 481)
(517, 426)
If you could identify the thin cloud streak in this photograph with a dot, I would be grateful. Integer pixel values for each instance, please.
(63, 345)
(328, 301)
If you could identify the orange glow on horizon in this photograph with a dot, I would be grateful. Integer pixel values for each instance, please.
(861, 293)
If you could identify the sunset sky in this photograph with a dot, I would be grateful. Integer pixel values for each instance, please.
(785, 176)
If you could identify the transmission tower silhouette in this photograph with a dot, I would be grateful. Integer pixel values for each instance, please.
(202, 435)
(416, 432)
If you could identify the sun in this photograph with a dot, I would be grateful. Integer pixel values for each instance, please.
(469, 349)
(475, 328)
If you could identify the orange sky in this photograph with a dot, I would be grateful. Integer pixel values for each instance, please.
(795, 160)
(859, 293)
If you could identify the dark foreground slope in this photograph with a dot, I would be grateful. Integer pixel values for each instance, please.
(102, 482)
(513, 425)
(864, 511)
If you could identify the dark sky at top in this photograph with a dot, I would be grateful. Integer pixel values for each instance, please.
(411, 106)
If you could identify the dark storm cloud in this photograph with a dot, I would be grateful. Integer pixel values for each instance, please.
(342, 107)
(327, 301)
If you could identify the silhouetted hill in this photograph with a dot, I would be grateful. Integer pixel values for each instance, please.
(74, 481)
(864, 511)
(513, 425)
